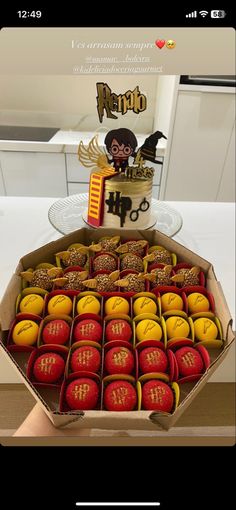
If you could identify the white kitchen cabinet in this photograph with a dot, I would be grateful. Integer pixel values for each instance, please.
(156, 192)
(158, 172)
(77, 187)
(200, 163)
(2, 189)
(76, 172)
(34, 174)
(227, 184)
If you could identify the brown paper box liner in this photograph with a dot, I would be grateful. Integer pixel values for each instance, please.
(142, 420)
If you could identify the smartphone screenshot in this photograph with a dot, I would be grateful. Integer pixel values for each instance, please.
(117, 227)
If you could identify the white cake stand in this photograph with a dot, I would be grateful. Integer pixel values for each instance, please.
(70, 213)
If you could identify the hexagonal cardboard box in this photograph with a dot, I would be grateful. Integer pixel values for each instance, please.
(49, 396)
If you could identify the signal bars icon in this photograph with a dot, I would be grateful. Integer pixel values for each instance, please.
(191, 15)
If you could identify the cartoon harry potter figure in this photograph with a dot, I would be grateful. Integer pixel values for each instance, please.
(120, 144)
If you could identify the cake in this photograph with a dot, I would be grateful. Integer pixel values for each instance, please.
(120, 190)
(132, 198)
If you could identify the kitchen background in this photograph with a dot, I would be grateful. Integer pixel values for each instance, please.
(198, 158)
(198, 120)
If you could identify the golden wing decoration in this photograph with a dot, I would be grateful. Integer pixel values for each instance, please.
(93, 155)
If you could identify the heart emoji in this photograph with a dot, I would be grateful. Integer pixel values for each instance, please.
(160, 43)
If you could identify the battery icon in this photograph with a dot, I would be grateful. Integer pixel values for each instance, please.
(218, 14)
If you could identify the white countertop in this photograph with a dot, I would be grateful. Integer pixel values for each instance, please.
(67, 142)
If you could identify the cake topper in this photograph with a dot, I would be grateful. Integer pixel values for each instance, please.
(121, 144)
(94, 157)
(148, 150)
(108, 101)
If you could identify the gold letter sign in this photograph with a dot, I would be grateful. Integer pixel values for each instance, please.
(109, 102)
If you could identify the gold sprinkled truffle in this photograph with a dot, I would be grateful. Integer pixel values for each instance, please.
(104, 261)
(105, 244)
(42, 278)
(131, 261)
(132, 283)
(103, 282)
(160, 276)
(109, 243)
(74, 256)
(137, 247)
(159, 256)
(185, 277)
(73, 280)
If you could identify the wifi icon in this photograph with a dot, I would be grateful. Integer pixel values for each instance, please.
(203, 13)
